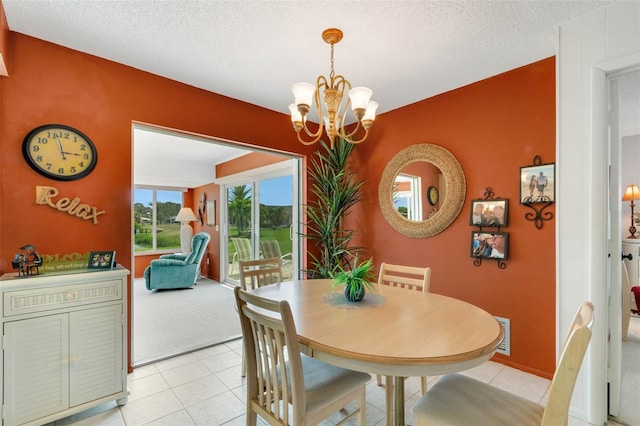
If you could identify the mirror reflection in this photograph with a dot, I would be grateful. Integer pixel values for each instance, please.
(418, 191)
(422, 190)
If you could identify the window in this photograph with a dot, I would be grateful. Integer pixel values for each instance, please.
(154, 224)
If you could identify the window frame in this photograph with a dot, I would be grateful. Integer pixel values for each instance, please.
(154, 215)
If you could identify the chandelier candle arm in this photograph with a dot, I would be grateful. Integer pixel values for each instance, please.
(331, 104)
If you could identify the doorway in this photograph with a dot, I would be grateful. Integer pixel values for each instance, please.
(624, 356)
(180, 160)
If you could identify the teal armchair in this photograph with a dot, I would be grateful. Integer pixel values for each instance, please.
(177, 270)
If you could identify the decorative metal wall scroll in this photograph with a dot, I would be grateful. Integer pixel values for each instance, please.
(537, 190)
(489, 212)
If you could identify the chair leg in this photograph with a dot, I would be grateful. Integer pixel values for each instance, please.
(252, 417)
(362, 412)
(244, 366)
(388, 385)
(379, 379)
(423, 384)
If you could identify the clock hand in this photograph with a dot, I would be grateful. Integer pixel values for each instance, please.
(60, 146)
(73, 153)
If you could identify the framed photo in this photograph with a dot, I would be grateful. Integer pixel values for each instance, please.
(211, 213)
(102, 260)
(538, 184)
(489, 212)
(489, 245)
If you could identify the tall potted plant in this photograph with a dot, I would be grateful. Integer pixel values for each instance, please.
(336, 190)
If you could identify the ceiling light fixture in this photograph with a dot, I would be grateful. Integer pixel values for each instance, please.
(332, 116)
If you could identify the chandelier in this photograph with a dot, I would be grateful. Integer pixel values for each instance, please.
(332, 116)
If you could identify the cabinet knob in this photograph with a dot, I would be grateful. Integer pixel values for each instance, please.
(627, 256)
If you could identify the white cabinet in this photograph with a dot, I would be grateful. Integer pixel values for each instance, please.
(64, 344)
(632, 246)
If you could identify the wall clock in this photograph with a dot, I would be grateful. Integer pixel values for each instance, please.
(432, 195)
(59, 152)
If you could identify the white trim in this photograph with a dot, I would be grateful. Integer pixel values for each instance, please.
(589, 47)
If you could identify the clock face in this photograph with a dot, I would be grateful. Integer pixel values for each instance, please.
(432, 195)
(59, 152)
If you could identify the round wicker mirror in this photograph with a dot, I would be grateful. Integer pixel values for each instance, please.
(454, 181)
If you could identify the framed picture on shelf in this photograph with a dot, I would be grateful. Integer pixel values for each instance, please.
(489, 245)
(102, 260)
(538, 184)
(489, 212)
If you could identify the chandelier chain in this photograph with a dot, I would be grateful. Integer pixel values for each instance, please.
(332, 74)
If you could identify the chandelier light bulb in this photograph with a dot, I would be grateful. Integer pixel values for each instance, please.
(360, 97)
(372, 107)
(303, 93)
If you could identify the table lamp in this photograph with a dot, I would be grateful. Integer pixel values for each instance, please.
(185, 215)
(631, 193)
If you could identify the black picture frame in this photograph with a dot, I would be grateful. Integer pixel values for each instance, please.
(493, 213)
(531, 190)
(487, 245)
(102, 260)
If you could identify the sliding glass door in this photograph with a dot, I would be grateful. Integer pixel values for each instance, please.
(261, 219)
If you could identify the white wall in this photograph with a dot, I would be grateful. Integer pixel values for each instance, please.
(588, 48)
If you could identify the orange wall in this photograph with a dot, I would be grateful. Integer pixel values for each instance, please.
(247, 162)
(493, 127)
(52, 84)
(101, 98)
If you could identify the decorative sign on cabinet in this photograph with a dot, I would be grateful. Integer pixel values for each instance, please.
(65, 344)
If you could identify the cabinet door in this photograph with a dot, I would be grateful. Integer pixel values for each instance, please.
(36, 374)
(96, 367)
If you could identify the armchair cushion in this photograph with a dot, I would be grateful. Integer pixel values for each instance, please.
(176, 256)
(177, 270)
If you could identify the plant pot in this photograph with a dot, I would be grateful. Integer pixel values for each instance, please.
(355, 295)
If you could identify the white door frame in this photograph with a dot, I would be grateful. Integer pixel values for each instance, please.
(289, 166)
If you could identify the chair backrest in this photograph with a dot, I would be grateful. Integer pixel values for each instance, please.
(410, 277)
(270, 248)
(243, 248)
(198, 245)
(270, 339)
(261, 272)
(556, 411)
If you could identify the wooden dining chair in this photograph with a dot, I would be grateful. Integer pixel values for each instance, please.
(285, 387)
(261, 272)
(411, 278)
(258, 273)
(460, 400)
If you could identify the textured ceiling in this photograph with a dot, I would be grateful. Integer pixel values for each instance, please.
(405, 51)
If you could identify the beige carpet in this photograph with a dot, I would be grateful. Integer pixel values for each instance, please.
(172, 322)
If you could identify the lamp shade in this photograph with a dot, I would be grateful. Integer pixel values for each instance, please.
(372, 107)
(360, 97)
(186, 215)
(631, 193)
(303, 93)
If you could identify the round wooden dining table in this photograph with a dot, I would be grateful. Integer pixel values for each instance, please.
(392, 332)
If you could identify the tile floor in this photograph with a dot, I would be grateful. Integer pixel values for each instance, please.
(204, 388)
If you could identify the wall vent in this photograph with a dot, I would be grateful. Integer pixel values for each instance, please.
(505, 346)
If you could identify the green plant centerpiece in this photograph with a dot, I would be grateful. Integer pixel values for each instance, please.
(355, 280)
